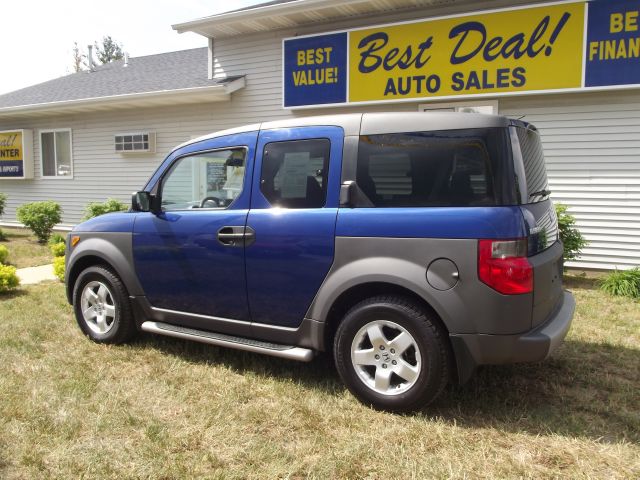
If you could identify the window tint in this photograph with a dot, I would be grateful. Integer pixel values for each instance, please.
(206, 180)
(533, 159)
(294, 174)
(447, 168)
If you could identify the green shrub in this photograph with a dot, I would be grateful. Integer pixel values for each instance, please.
(58, 268)
(571, 237)
(95, 209)
(40, 217)
(58, 249)
(625, 283)
(3, 236)
(4, 253)
(8, 278)
(56, 238)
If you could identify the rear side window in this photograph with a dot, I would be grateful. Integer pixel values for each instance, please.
(534, 167)
(294, 173)
(442, 168)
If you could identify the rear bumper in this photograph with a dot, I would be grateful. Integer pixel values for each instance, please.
(536, 345)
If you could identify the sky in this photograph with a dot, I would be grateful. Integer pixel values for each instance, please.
(37, 36)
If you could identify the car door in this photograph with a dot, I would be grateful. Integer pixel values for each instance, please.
(294, 204)
(190, 257)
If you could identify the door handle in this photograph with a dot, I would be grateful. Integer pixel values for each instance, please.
(236, 236)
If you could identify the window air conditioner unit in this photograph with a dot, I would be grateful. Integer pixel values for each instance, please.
(136, 142)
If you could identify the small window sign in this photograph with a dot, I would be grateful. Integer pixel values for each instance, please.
(139, 142)
(16, 154)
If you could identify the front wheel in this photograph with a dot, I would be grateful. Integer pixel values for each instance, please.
(392, 354)
(101, 306)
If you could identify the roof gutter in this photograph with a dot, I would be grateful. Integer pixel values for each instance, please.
(218, 92)
(257, 12)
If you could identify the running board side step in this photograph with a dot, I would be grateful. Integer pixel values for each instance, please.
(239, 343)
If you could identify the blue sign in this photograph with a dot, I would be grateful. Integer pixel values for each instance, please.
(315, 70)
(613, 43)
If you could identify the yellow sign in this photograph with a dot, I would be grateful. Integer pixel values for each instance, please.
(16, 158)
(11, 146)
(505, 51)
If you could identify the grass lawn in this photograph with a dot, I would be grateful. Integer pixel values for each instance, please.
(165, 408)
(24, 249)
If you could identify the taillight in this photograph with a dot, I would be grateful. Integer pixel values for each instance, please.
(503, 265)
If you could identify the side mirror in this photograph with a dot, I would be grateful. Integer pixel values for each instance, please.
(141, 202)
(348, 194)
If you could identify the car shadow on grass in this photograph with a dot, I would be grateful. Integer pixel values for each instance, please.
(585, 390)
(318, 374)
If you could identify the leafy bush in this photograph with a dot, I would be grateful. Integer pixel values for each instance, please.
(40, 217)
(625, 283)
(571, 237)
(8, 278)
(95, 209)
(56, 238)
(4, 253)
(58, 249)
(58, 268)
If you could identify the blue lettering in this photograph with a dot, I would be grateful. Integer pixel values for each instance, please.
(472, 39)
(519, 79)
(370, 60)
(390, 88)
(457, 82)
(378, 41)
(464, 29)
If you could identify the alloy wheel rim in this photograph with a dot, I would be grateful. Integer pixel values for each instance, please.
(386, 357)
(98, 307)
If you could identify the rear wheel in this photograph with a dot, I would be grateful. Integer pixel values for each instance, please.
(101, 306)
(392, 354)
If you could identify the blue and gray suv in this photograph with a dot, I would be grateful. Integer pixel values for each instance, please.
(413, 246)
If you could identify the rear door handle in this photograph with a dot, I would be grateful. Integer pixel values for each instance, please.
(236, 236)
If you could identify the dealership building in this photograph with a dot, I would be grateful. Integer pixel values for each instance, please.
(570, 68)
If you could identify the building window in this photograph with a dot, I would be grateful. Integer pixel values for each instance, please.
(55, 153)
(481, 106)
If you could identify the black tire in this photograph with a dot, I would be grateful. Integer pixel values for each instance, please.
(117, 324)
(429, 341)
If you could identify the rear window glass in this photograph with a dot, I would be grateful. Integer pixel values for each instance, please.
(442, 168)
(533, 161)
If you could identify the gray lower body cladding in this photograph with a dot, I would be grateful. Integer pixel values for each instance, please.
(463, 303)
(472, 350)
(111, 248)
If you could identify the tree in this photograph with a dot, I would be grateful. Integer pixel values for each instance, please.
(78, 58)
(109, 51)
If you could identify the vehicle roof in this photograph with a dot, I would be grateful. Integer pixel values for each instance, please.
(355, 124)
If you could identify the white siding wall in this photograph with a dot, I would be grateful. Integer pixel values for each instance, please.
(592, 149)
(592, 143)
(100, 172)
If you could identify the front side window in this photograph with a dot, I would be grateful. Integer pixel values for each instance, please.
(442, 168)
(206, 180)
(56, 153)
(294, 173)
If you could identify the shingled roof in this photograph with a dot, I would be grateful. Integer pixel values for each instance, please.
(143, 77)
